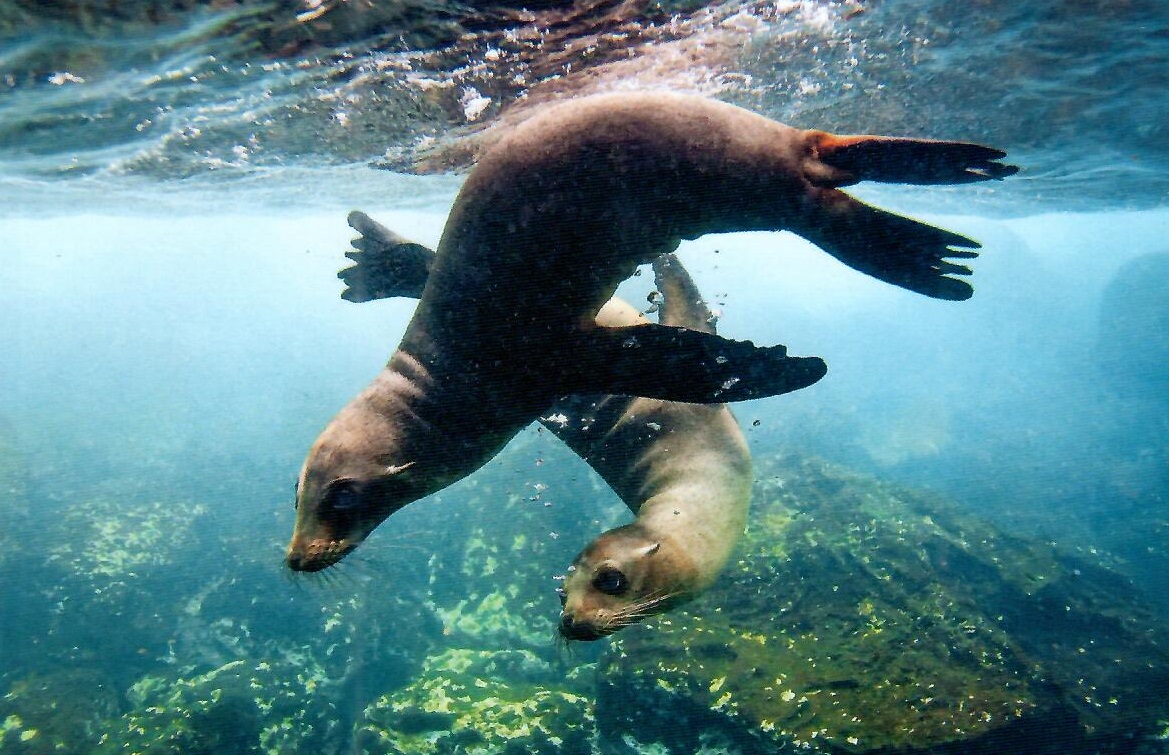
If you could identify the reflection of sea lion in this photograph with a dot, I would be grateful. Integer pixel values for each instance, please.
(684, 469)
(555, 215)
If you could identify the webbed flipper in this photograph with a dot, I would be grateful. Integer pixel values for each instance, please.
(677, 364)
(682, 304)
(890, 159)
(655, 361)
(889, 247)
(387, 264)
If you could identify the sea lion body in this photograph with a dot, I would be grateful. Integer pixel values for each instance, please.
(686, 471)
(683, 469)
(545, 227)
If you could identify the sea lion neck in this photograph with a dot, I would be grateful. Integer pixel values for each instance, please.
(397, 441)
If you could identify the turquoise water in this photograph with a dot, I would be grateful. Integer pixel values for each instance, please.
(173, 340)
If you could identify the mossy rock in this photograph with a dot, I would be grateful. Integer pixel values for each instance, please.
(115, 541)
(240, 707)
(494, 571)
(860, 617)
(55, 712)
(479, 702)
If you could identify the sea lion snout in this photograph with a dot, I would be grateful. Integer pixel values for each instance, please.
(316, 555)
(585, 631)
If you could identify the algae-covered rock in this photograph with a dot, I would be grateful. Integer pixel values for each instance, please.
(116, 540)
(861, 617)
(480, 702)
(54, 712)
(507, 540)
(240, 707)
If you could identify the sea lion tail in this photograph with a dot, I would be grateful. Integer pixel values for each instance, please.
(890, 247)
(387, 264)
(890, 159)
(677, 364)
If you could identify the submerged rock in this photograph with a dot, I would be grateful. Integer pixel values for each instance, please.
(240, 707)
(862, 617)
(54, 712)
(482, 701)
(1133, 342)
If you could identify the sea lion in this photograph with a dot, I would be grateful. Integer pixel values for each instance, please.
(553, 217)
(683, 469)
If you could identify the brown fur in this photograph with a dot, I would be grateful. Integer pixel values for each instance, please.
(546, 226)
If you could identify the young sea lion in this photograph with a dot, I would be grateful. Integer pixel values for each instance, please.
(683, 469)
(555, 215)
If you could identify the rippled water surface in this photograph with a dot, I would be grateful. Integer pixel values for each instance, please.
(246, 96)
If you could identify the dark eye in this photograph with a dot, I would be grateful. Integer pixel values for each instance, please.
(611, 582)
(343, 496)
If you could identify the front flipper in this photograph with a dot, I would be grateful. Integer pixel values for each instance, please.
(387, 264)
(676, 364)
(890, 247)
(682, 303)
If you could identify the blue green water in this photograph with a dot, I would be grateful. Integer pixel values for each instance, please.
(172, 340)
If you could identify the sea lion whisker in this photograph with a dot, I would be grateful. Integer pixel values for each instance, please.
(563, 645)
(641, 609)
(652, 600)
(627, 616)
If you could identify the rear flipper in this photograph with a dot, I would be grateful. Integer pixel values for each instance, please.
(676, 364)
(909, 161)
(889, 247)
(387, 264)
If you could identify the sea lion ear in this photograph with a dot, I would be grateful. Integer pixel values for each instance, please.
(649, 550)
(678, 364)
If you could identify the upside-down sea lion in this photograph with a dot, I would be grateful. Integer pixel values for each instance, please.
(554, 216)
(683, 469)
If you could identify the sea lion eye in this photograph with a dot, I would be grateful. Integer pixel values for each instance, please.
(611, 582)
(343, 495)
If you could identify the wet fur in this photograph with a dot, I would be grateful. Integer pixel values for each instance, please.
(549, 222)
(677, 466)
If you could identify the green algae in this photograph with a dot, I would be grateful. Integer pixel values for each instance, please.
(856, 617)
(54, 712)
(482, 701)
(493, 581)
(860, 617)
(114, 542)
(241, 707)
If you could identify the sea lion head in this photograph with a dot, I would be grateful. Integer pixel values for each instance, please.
(352, 480)
(622, 577)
